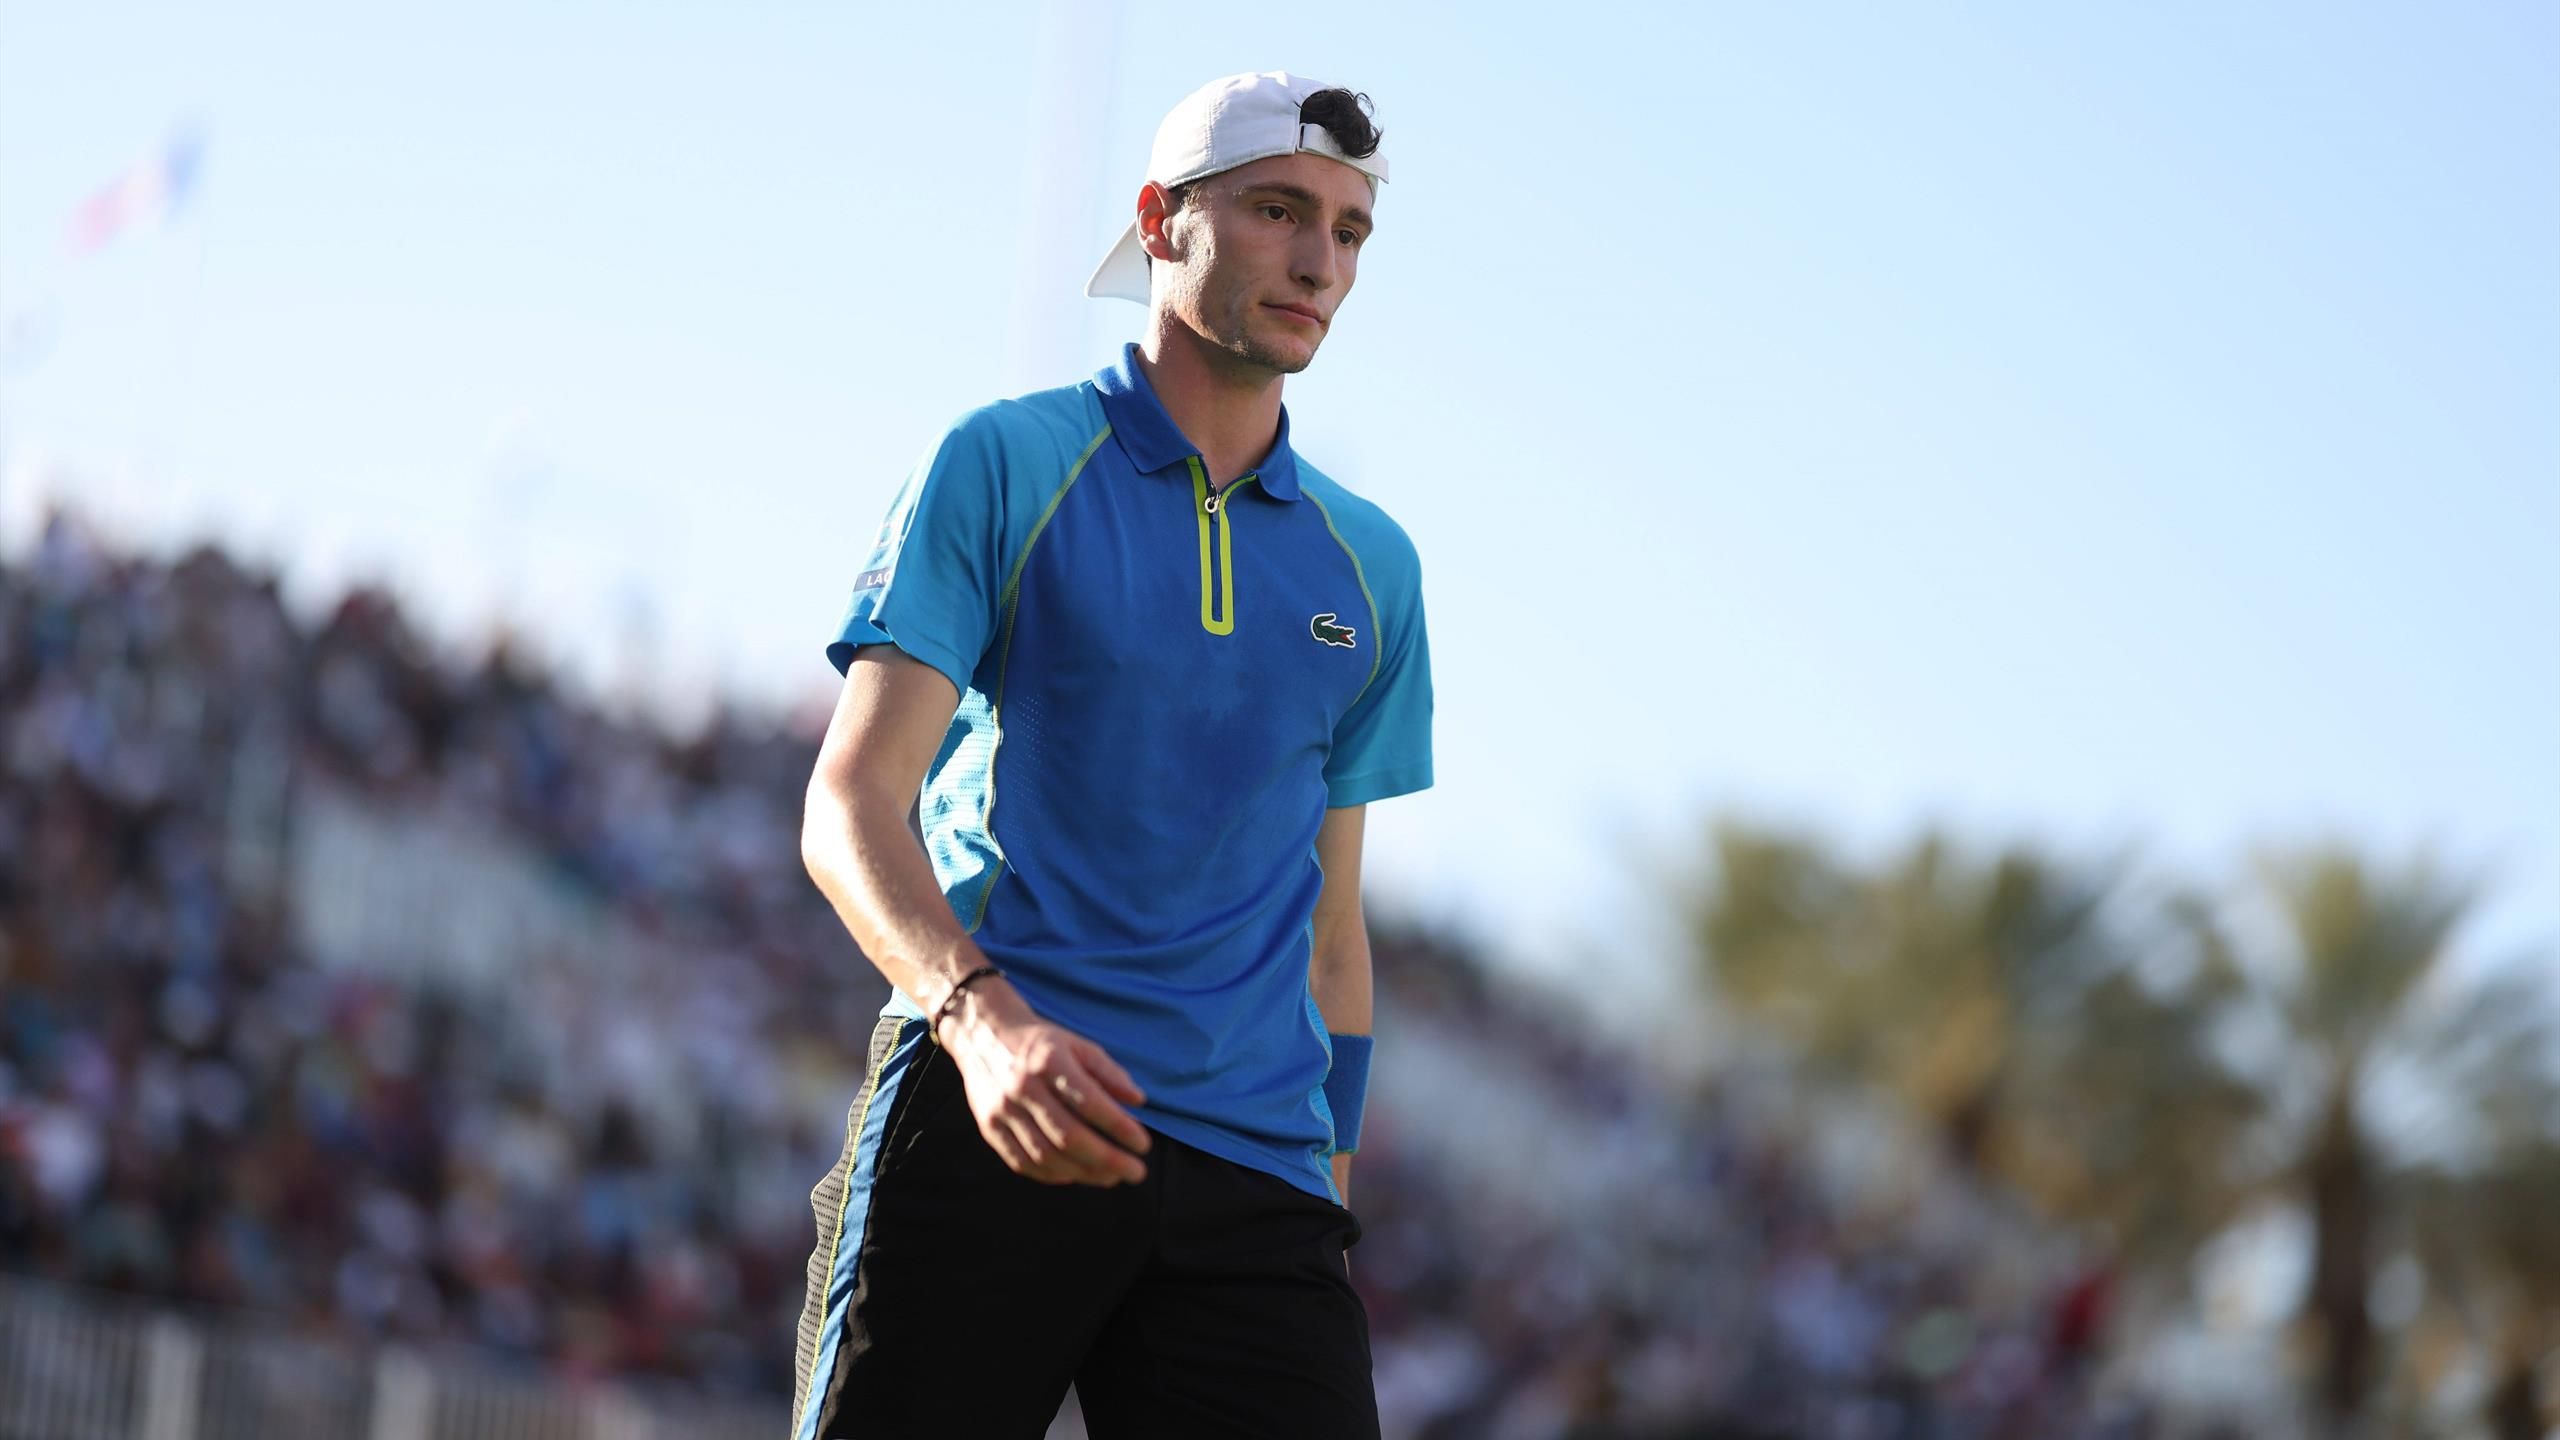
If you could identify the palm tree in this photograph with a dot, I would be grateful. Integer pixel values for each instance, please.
(1996, 998)
(2497, 1252)
(2358, 945)
(2044, 1035)
(1915, 977)
(2489, 1230)
(2134, 1123)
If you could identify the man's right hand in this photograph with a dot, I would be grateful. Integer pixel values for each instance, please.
(1044, 1095)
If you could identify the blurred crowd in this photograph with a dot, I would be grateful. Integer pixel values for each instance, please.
(190, 1107)
(194, 1108)
(1711, 1279)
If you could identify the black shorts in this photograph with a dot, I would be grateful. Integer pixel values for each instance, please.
(949, 1296)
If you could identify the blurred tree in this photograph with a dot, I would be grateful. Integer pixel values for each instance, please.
(2370, 1021)
(2139, 1068)
(2492, 1240)
(2489, 1233)
(2001, 1002)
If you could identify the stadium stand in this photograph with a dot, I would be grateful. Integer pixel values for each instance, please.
(427, 1022)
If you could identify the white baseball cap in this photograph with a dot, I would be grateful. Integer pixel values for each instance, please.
(1221, 125)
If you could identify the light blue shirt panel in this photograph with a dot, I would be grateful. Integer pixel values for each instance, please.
(933, 583)
(1382, 747)
(932, 586)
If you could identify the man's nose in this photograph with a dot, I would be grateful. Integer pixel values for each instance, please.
(1320, 263)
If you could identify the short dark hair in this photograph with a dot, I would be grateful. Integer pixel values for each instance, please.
(1344, 114)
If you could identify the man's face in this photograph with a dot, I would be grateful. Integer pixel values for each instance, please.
(1264, 255)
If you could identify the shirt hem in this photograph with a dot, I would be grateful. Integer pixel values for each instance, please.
(1376, 785)
(945, 661)
(1314, 1178)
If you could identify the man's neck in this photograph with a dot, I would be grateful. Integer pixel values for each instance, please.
(1227, 407)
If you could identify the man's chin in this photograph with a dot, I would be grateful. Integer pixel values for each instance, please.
(1285, 356)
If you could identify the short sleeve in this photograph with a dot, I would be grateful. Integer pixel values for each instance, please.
(929, 583)
(1382, 746)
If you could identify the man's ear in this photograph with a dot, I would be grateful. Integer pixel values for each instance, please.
(1155, 213)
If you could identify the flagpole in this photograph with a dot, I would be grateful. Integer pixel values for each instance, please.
(172, 192)
(1067, 184)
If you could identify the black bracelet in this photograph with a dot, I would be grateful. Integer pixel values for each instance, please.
(951, 997)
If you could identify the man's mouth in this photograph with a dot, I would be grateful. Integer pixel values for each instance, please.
(1302, 312)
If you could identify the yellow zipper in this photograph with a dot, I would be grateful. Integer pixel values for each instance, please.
(1218, 562)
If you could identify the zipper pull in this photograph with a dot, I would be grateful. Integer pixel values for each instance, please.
(1209, 503)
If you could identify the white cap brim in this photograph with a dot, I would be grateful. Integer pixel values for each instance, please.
(1122, 275)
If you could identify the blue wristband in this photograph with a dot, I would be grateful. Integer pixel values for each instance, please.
(1346, 1089)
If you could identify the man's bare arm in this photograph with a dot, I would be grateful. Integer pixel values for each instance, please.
(1043, 1095)
(1339, 971)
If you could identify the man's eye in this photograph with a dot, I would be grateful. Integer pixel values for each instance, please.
(1347, 237)
(1276, 212)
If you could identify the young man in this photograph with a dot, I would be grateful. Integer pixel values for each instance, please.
(1135, 669)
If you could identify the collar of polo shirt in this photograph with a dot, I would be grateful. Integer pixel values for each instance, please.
(1151, 440)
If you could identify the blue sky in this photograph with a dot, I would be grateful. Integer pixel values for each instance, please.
(2132, 425)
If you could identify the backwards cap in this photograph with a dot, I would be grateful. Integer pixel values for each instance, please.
(1221, 125)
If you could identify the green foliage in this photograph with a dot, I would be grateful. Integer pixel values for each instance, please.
(2364, 941)
(2127, 1062)
(1997, 998)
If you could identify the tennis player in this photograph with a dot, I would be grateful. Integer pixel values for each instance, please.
(1132, 669)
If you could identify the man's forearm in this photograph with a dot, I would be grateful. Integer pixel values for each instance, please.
(1339, 975)
(1342, 981)
(869, 865)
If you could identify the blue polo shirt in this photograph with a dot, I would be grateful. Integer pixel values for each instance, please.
(1162, 690)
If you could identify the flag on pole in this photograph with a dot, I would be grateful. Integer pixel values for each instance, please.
(148, 194)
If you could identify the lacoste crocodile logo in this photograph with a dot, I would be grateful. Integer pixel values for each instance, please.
(1323, 628)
